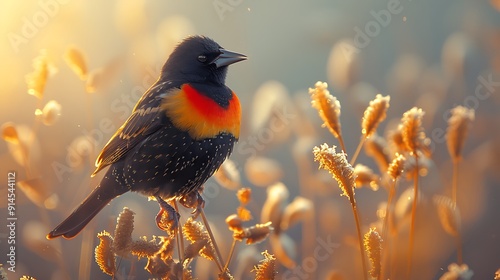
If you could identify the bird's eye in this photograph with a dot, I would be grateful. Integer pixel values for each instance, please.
(202, 58)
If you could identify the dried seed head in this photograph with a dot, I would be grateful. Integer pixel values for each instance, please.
(412, 131)
(373, 247)
(457, 272)
(234, 223)
(9, 133)
(395, 141)
(458, 126)
(225, 275)
(193, 250)
(194, 231)
(338, 166)
(123, 232)
(266, 269)
(144, 248)
(167, 247)
(244, 213)
(244, 195)
(50, 113)
(449, 215)
(272, 210)
(375, 147)
(396, 167)
(37, 79)
(374, 114)
(262, 171)
(159, 268)
(228, 175)
(254, 234)
(365, 176)
(104, 256)
(76, 61)
(300, 209)
(328, 107)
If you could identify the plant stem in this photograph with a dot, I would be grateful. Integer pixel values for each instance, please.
(358, 149)
(413, 217)
(360, 238)
(342, 145)
(459, 248)
(386, 250)
(219, 261)
(180, 237)
(454, 184)
(233, 247)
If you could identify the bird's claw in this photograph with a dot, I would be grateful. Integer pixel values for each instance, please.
(195, 201)
(167, 218)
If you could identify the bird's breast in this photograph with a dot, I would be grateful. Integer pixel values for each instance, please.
(201, 116)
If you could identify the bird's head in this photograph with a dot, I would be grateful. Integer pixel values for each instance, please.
(199, 59)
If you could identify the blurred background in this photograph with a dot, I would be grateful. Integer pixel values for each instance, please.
(431, 54)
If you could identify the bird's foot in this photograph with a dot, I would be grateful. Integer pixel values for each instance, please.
(193, 200)
(167, 219)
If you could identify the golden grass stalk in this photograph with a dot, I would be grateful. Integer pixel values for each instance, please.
(104, 256)
(414, 140)
(234, 223)
(449, 216)
(266, 269)
(375, 148)
(373, 247)
(123, 232)
(228, 175)
(394, 171)
(37, 79)
(374, 114)
(458, 126)
(50, 112)
(195, 231)
(272, 210)
(9, 133)
(300, 209)
(328, 108)
(343, 173)
(75, 59)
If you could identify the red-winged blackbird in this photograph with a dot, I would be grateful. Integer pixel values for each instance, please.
(179, 133)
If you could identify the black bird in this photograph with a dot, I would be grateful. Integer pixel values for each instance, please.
(179, 133)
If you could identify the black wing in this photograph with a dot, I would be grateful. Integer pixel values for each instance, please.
(146, 118)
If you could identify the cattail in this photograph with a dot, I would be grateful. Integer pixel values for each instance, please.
(328, 108)
(36, 80)
(373, 247)
(299, 210)
(76, 61)
(254, 234)
(234, 223)
(375, 148)
(123, 232)
(50, 112)
(144, 248)
(266, 269)
(104, 256)
(396, 167)
(167, 247)
(338, 166)
(449, 215)
(365, 176)
(374, 114)
(458, 126)
(228, 175)
(412, 131)
(244, 195)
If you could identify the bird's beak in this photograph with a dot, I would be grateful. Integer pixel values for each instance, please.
(228, 57)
